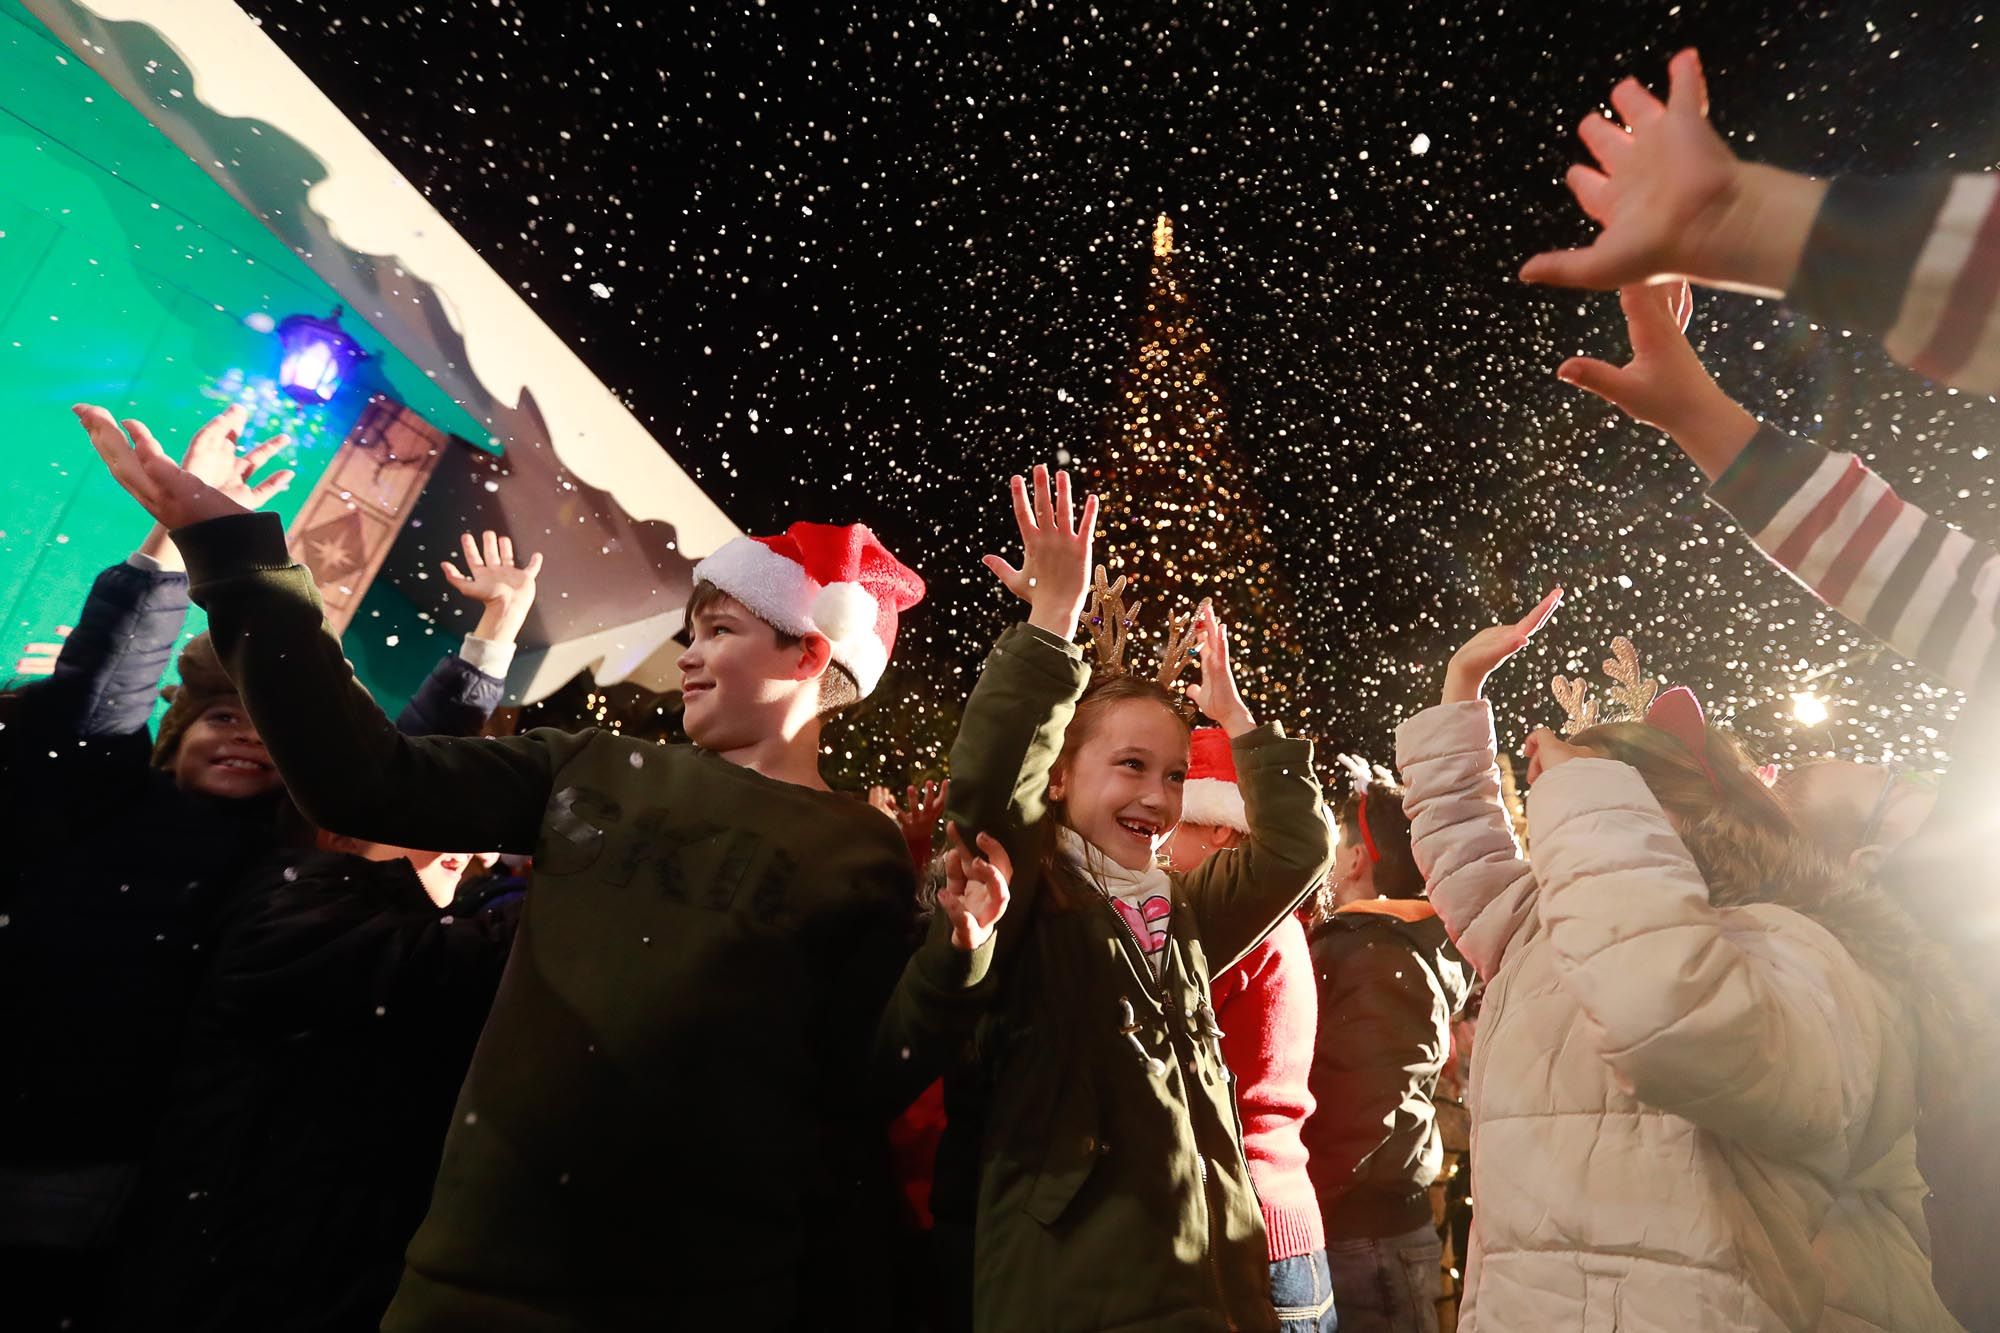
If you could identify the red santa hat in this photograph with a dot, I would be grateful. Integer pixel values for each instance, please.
(831, 579)
(1211, 795)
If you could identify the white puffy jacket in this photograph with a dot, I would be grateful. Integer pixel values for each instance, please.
(1684, 1117)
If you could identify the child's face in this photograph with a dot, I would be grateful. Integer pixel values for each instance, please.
(1191, 844)
(1122, 787)
(221, 755)
(737, 681)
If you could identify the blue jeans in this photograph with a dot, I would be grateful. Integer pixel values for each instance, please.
(1302, 1291)
(1389, 1285)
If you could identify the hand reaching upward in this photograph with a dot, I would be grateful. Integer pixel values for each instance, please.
(974, 895)
(212, 480)
(1672, 201)
(1465, 677)
(504, 589)
(1054, 575)
(1216, 693)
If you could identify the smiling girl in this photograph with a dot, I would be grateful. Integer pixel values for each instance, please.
(1112, 1189)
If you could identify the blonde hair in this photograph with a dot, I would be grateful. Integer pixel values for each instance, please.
(1749, 850)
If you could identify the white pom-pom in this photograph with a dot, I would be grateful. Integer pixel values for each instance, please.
(843, 611)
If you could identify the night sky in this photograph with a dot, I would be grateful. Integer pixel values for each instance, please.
(860, 263)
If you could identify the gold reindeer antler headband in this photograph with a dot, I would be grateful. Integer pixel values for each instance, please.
(1110, 622)
(1631, 693)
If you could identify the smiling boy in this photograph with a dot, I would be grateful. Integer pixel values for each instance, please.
(672, 1096)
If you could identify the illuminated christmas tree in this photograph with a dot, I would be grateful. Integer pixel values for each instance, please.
(1181, 513)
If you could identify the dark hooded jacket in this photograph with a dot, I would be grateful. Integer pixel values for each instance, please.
(1390, 984)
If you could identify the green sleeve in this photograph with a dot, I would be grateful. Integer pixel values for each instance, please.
(345, 764)
(1008, 740)
(940, 996)
(1238, 895)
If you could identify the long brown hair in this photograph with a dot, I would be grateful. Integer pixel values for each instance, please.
(1749, 851)
(1063, 885)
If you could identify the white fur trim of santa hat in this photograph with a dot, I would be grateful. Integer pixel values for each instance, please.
(1213, 801)
(779, 592)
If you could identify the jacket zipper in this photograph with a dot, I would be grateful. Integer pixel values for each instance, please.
(1165, 996)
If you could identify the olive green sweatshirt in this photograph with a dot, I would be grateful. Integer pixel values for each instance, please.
(672, 1116)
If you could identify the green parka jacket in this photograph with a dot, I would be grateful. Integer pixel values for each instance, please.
(1113, 1193)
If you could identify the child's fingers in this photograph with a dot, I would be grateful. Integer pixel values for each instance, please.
(1003, 571)
(1045, 505)
(1592, 190)
(1599, 377)
(507, 552)
(1567, 268)
(1687, 86)
(261, 453)
(1607, 142)
(1023, 519)
(1635, 103)
(1539, 617)
(1065, 511)
(534, 565)
(1088, 528)
(453, 575)
(148, 447)
(470, 548)
(995, 854)
(489, 546)
(271, 486)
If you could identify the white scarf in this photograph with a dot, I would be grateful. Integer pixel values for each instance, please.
(1144, 898)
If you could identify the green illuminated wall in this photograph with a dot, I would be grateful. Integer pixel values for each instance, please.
(126, 278)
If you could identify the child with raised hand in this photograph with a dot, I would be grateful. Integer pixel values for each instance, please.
(1112, 1189)
(1682, 997)
(674, 1112)
(1916, 584)
(1904, 258)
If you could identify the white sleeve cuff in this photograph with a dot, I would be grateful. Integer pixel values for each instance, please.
(488, 655)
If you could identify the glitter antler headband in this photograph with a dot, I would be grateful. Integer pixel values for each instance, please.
(1637, 698)
(1110, 623)
(1631, 692)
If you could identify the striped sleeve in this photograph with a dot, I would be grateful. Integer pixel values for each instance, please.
(1915, 260)
(1918, 584)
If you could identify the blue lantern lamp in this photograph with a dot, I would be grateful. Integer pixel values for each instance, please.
(318, 354)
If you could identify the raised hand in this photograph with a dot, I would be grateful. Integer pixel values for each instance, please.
(974, 895)
(922, 807)
(212, 458)
(1664, 385)
(1216, 693)
(1466, 675)
(210, 482)
(1672, 201)
(1054, 575)
(1546, 750)
(491, 578)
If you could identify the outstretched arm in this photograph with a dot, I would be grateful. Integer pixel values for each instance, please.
(1917, 584)
(1239, 894)
(345, 766)
(107, 674)
(463, 689)
(1474, 872)
(1905, 259)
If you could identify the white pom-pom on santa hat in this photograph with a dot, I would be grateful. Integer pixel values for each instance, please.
(843, 611)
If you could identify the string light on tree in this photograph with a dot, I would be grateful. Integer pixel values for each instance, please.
(1181, 512)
